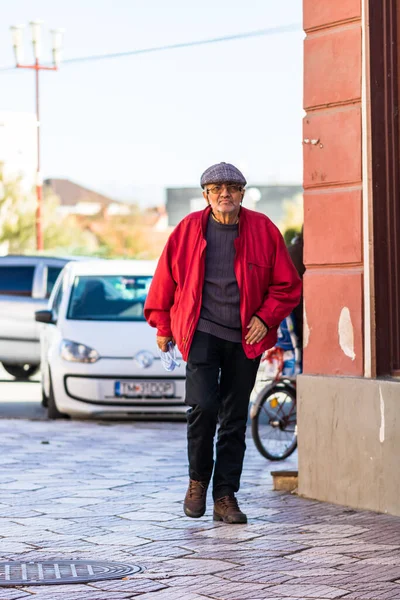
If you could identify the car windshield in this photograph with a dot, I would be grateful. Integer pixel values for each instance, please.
(108, 298)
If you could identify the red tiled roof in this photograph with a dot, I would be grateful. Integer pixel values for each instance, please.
(71, 193)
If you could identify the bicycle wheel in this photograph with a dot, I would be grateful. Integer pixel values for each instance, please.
(274, 424)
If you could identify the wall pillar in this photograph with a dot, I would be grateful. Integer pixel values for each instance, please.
(333, 252)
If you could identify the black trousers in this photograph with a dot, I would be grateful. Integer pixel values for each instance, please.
(219, 380)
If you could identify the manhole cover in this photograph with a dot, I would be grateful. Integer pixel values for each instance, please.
(61, 571)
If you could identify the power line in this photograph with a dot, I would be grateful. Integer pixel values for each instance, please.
(227, 38)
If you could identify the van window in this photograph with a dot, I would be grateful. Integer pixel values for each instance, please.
(16, 280)
(52, 274)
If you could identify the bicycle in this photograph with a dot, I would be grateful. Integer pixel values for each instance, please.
(274, 416)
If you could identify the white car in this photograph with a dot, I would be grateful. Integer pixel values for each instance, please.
(99, 356)
(25, 286)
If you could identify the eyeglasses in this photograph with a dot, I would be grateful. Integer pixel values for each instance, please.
(232, 188)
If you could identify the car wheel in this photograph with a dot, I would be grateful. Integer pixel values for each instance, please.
(52, 410)
(21, 371)
(45, 399)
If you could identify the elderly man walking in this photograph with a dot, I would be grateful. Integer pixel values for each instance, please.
(223, 284)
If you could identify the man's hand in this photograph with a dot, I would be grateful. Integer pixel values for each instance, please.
(257, 331)
(162, 342)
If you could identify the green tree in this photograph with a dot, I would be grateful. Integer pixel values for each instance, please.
(17, 216)
(18, 223)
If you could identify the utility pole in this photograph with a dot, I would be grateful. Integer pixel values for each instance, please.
(36, 27)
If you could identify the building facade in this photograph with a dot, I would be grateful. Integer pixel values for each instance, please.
(349, 394)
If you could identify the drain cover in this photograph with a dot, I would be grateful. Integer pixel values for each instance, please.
(61, 571)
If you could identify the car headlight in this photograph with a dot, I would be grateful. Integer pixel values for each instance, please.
(75, 352)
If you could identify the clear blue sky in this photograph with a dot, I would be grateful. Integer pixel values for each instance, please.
(130, 126)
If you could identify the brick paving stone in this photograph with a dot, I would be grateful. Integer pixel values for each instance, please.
(364, 566)
(43, 521)
(392, 560)
(234, 533)
(333, 531)
(96, 521)
(337, 543)
(240, 557)
(159, 534)
(80, 502)
(193, 566)
(332, 560)
(70, 512)
(98, 484)
(75, 530)
(12, 594)
(218, 588)
(344, 580)
(168, 495)
(138, 586)
(19, 485)
(100, 494)
(276, 545)
(383, 591)
(74, 592)
(280, 564)
(17, 512)
(298, 590)
(173, 594)
(155, 516)
(115, 539)
(192, 524)
(113, 553)
(324, 574)
(355, 549)
(15, 547)
(160, 550)
(250, 575)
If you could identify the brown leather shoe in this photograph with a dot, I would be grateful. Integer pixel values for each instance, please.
(195, 499)
(226, 509)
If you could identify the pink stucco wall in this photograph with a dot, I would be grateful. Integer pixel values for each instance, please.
(333, 284)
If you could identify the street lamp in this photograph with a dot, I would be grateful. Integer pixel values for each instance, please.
(17, 40)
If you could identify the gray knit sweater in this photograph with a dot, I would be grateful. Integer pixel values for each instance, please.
(220, 308)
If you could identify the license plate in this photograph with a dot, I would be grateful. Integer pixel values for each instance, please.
(154, 389)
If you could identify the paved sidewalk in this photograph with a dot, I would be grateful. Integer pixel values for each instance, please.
(98, 491)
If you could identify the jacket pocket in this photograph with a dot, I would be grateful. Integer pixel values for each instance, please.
(259, 276)
(258, 265)
(259, 269)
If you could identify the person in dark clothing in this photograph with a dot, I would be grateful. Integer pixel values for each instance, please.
(223, 284)
(296, 254)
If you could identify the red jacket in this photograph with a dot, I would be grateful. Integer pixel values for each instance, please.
(268, 282)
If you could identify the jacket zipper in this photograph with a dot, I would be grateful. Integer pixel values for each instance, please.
(185, 339)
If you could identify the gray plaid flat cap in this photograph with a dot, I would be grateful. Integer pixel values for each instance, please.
(222, 173)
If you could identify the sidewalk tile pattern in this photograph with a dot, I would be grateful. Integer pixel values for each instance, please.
(114, 491)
